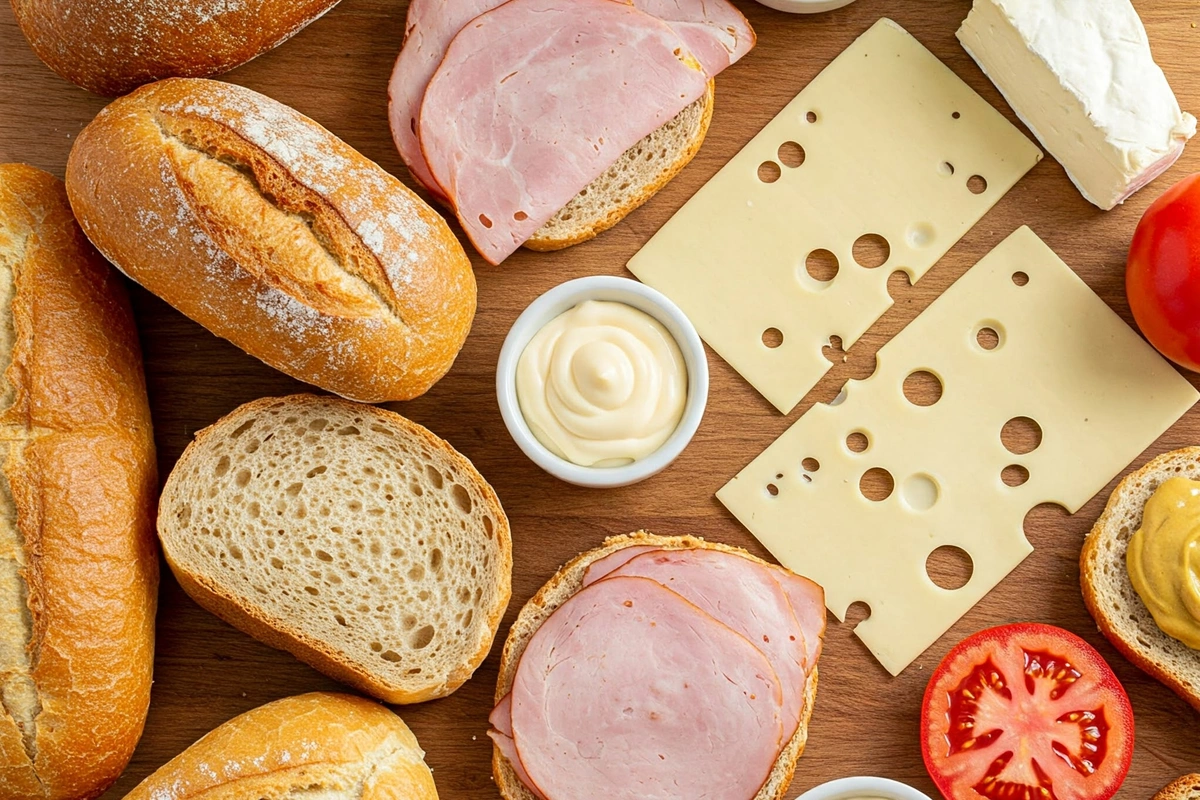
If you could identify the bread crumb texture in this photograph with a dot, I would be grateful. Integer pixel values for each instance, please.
(337, 523)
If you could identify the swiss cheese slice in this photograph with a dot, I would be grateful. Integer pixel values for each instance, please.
(888, 143)
(1018, 336)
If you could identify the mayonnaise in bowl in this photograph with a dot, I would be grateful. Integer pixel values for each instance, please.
(602, 385)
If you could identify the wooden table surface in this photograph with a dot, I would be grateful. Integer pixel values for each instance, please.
(865, 721)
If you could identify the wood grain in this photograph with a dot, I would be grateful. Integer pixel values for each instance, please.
(865, 722)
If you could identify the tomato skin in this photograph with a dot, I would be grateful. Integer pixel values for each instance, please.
(1020, 724)
(1162, 274)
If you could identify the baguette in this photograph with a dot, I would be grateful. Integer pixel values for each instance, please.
(636, 177)
(78, 564)
(271, 232)
(1185, 788)
(352, 538)
(564, 585)
(1108, 593)
(321, 745)
(111, 46)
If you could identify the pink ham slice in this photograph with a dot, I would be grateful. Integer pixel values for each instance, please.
(501, 735)
(744, 595)
(806, 598)
(714, 31)
(535, 99)
(629, 692)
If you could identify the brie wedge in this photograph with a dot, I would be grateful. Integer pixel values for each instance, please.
(1080, 75)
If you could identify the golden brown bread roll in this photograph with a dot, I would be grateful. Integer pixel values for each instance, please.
(78, 564)
(273, 233)
(319, 745)
(112, 46)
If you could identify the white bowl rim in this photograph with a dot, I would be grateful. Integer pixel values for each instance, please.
(863, 786)
(805, 6)
(562, 298)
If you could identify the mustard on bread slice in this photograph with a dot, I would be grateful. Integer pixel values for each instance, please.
(347, 535)
(1185, 788)
(1108, 592)
(635, 177)
(564, 585)
(318, 745)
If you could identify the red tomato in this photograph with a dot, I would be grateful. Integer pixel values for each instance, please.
(1162, 277)
(1026, 712)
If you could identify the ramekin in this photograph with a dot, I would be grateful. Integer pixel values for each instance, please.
(805, 6)
(863, 786)
(562, 298)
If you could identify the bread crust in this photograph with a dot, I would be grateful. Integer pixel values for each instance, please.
(271, 232)
(313, 652)
(112, 46)
(334, 741)
(565, 584)
(544, 242)
(1185, 788)
(78, 459)
(1102, 535)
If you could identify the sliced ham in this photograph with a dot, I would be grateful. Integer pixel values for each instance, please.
(536, 98)
(629, 692)
(744, 595)
(602, 567)
(501, 735)
(808, 604)
(714, 31)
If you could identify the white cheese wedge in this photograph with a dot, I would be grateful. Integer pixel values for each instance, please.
(1080, 74)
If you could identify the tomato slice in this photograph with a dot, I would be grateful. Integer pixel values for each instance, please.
(1026, 712)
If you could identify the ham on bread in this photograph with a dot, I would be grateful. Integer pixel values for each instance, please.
(714, 31)
(599, 727)
(536, 98)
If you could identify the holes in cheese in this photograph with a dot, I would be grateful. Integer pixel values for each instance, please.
(769, 172)
(977, 184)
(1021, 435)
(876, 484)
(810, 117)
(1014, 475)
(858, 442)
(989, 336)
(946, 169)
(821, 265)
(920, 492)
(1020, 278)
(872, 250)
(791, 154)
(922, 388)
(949, 567)
(772, 337)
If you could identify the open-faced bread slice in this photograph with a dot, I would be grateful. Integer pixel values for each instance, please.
(1110, 595)
(565, 584)
(1185, 788)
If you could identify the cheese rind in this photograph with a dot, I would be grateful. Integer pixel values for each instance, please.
(1062, 358)
(1080, 75)
(892, 144)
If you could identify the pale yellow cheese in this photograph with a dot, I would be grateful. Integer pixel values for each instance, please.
(891, 138)
(1059, 356)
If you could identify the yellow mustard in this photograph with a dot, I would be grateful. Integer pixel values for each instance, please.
(602, 384)
(1164, 559)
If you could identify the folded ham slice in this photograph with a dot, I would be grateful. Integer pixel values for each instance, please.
(501, 735)
(714, 31)
(536, 98)
(744, 595)
(629, 692)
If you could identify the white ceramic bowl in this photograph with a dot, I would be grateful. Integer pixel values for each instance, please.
(854, 788)
(805, 6)
(562, 298)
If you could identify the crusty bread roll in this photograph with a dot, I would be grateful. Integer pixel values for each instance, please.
(1185, 788)
(565, 584)
(273, 233)
(345, 534)
(322, 746)
(636, 177)
(112, 46)
(78, 564)
(1109, 594)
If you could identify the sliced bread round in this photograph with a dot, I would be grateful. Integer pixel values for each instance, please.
(1108, 592)
(636, 176)
(1185, 788)
(560, 588)
(345, 534)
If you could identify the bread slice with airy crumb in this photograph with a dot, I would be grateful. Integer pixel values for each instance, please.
(1185, 788)
(564, 585)
(1109, 594)
(636, 177)
(345, 534)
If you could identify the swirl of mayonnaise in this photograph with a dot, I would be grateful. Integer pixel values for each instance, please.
(602, 385)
